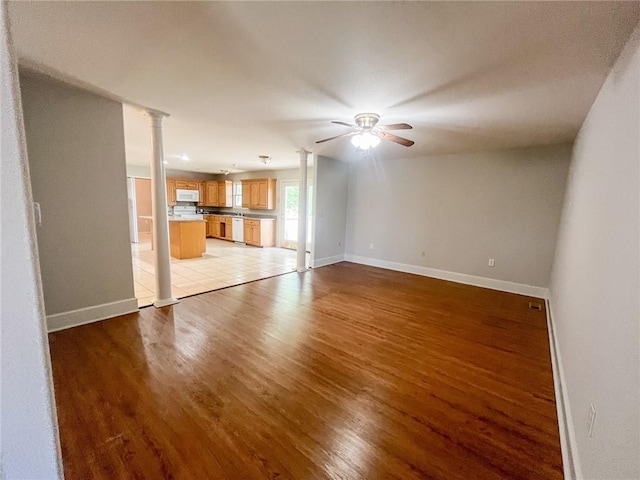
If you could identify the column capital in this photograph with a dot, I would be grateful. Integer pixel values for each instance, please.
(150, 112)
(303, 153)
(156, 116)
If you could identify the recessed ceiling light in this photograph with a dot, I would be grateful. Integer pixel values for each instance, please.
(166, 163)
(184, 157)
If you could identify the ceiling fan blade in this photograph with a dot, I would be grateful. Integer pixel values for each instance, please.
(337, 136)
(343, 123)
(396, 126)
(394, 138)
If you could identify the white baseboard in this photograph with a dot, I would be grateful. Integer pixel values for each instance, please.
(474, 280)
(63, 320)
(570, 457)
(323, 262)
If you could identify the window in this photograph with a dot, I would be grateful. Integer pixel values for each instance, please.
(237, 194)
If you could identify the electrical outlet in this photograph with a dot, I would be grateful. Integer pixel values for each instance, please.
(371, 246)
(492, 262)
(592, 419)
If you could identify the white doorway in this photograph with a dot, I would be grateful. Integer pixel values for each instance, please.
(289, 192)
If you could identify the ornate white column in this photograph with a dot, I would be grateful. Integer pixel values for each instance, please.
(302, 212)
(159, 212)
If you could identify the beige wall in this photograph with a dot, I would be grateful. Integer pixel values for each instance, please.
(330, 211)
(75, 145)
(595, 288)
(461, 210)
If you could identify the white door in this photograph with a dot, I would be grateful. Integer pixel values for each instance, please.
(289, 214)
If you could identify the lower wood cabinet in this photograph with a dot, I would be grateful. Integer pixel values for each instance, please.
(260, 233)
(219, 226)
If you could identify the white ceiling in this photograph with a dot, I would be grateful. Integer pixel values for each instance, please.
(242, 79)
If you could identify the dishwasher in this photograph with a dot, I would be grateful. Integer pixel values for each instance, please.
(238, 229)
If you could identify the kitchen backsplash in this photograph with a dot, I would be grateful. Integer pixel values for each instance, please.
(228, 211)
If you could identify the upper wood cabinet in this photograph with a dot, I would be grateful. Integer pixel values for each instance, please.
(203, 197)
(219, 193)
(177, 183)
(211, 194)
(186, 184)
(225, 193)
(259, 193)
(171, 191)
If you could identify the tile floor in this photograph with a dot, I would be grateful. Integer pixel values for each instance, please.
(224, 264)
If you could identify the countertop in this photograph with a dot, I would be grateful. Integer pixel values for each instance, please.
(248, 217)
(176, 219)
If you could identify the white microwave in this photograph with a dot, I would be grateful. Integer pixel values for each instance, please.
(187, 195)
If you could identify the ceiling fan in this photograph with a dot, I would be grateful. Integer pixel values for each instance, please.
(368, 133)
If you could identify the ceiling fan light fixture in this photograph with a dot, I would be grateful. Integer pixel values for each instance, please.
(264, 158)
(365, 140)
(368, 133)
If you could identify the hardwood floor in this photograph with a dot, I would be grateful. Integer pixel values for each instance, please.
(343, 372)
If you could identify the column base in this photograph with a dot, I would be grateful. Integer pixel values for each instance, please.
(300, 270)
(166, 302)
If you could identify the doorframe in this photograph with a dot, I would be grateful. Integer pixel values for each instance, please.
(310, 213)
(133, 210)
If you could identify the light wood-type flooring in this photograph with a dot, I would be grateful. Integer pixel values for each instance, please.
(346, 372)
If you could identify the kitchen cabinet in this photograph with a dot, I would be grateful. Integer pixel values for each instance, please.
(211, 194)
(177, 183)
(219, 226)
(171, 191)
(209, 220)
(225, 193)
(203, 198)
(259, 193)
(186, 184)
(260, 232)
(219, 193)
(187, 238)
(216, 227)
(226, 228)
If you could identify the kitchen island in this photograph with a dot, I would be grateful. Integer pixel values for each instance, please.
(187, 237)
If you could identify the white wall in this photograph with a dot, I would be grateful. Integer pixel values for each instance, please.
(461, 210)
(138, 170)
(75, 144)
(330, 211)
(29, 445)
(595, 287)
